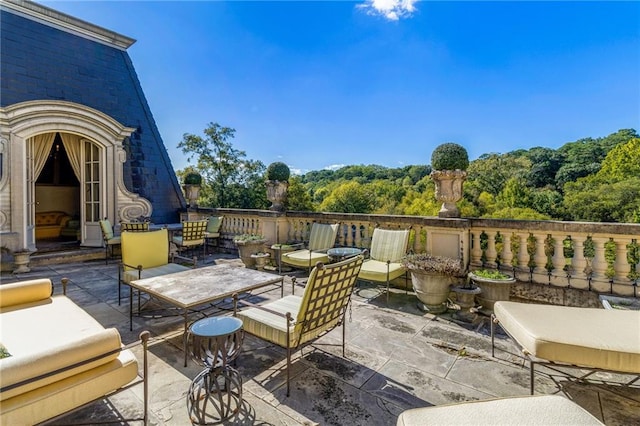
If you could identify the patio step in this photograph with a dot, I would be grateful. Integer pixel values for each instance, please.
(81, 254)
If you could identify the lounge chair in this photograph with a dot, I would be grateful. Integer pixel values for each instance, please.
(387, 248)
(542, 410)
(145, 255)
(192, 235)
(292, 321)
(134, 226)
(213, 230)
(586, 338)
(110, 240)
(321, 238)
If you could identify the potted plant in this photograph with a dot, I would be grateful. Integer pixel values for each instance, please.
(192, 185)
(495, 286)
(449, 162)
(249, 244)
(431, 277)
(260, 258)
(277, 184)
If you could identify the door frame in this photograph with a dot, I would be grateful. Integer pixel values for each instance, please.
(21, 121)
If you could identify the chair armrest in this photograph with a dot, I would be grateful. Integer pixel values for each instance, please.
(237, 301)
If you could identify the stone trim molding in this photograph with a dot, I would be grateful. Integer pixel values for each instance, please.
(62, 21)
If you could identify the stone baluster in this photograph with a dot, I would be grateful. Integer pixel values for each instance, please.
(600, 281)
(559, 275)
(507, 255)
(540, 257)
(621, 265)
(578, 278)
(523, 254)
(491, 253)
(476, 251)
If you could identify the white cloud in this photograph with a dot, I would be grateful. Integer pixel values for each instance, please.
(334, 167)
(392, 10)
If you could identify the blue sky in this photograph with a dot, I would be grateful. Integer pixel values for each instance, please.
(328, 83)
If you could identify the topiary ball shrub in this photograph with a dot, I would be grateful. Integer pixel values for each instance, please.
(192, 179)
(278, 171)
(449, 156)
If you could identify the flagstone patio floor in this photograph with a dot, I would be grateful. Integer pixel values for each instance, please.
(398, 358)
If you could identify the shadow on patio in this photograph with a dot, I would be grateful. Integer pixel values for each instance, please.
(397, 358)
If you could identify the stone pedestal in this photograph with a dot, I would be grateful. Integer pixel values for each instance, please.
(21, 262)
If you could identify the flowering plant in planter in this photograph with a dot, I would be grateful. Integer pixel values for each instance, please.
(433, 264)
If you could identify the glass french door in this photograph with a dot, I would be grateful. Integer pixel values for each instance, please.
(91, 195)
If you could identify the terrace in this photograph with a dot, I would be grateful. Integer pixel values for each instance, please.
(398, 357)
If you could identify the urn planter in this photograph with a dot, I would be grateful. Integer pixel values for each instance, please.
(191, 192)
(432, 290)
(248, 247)
(493, 289)
(449, 190)
(277, 194)
(260, 260)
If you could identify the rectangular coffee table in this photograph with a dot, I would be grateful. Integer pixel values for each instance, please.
(195, 287)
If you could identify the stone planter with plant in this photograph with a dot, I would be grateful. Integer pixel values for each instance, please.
(249, 244)
(495, 286)
(191, 187)
(277, 182)
(449, 162)
(432, 277)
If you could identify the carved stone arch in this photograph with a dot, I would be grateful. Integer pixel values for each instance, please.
(19, 122)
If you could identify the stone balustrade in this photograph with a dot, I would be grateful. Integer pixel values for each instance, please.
(599, 257)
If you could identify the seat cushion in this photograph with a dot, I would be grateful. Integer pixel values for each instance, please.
(525, 410)
(269, 326)
(598, 338)
(62, 396)
(375, 270)
(304, 258)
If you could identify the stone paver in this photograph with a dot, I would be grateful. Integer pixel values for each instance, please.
(397, 358)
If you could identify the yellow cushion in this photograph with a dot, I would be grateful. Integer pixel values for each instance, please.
(522, 411)
(188, 243)
(169, 268)
(599, 338)
(62, 396)
(387, 244)
(26, 366)
(149, 249)
(375, 270)
(304, 258)
(322, 236)
(271, 327)
(107, 229)
(213, 224)
(24, 292)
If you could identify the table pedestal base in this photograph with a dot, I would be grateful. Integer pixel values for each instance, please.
(215, 395)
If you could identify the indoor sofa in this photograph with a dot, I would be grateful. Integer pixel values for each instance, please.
(56, 357)
(50, 224)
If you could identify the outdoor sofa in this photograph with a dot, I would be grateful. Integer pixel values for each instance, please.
(586, 338)
(543, 410)
(56, 357)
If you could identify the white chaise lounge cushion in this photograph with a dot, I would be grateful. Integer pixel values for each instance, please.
(598, 338)
(522, 411)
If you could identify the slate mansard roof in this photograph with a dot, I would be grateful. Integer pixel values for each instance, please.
(45, 54)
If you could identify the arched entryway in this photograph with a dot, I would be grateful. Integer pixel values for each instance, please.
(93, 145)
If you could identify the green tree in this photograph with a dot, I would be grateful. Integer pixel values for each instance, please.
(492, 171)
(622, 162)
(348, 197)
(230, 179)
(298, 198)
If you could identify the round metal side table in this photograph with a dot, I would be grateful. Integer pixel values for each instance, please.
(215, 394)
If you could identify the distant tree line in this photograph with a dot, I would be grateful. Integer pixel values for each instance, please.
(586, 180)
